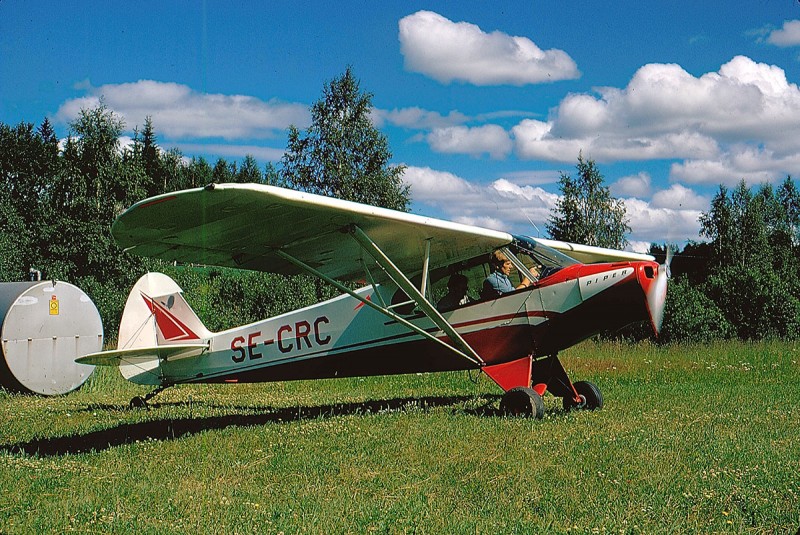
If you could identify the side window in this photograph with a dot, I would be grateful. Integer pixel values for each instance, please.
(533, 266)
(474, 271)
(543, 266)
(473, 276)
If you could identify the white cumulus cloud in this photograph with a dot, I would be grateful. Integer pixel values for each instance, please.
(416, 118)
(532, 178)
(500, 205)
(788, 35)
(744, 118)
(653, 224)
(232, 150)
(637, 185)
(679, 197)
(487, 139)
(450, 51)
(752, 164)
(431, 186)
(179, 111)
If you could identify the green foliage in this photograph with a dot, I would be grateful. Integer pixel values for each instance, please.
(736, 227)
(57, 207)
(760, 229)
(249, 172)
(342, 154)
(13, 244)
(691, 316)
(28, 162)
(755, 259)
(789, 199)
(586, 212)
(224, 298)
(756, 301)
(109, 298)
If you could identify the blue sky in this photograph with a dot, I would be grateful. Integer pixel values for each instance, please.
(485, 103)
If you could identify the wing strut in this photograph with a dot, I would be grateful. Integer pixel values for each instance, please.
(408, 287)
(382, 309)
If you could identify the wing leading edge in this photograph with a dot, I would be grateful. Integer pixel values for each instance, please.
(242, 225)
(589, 254)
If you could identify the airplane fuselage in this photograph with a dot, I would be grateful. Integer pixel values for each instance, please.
(342, 337)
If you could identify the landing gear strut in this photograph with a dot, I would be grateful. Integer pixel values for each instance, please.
(580, 395)
(140, 402)
(544, 374)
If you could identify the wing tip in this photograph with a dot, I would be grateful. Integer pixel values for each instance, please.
(99, 359)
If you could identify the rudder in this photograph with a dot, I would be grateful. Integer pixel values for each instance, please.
(155, 314)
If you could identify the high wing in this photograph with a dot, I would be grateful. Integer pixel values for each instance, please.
(588, 254)
(245, 225)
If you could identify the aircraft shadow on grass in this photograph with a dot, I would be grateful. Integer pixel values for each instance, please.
(171, 429)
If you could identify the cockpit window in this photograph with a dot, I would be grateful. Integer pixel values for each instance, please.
(546, 259)
(472, 273)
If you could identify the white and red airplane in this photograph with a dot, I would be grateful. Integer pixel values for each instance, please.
(391, 325)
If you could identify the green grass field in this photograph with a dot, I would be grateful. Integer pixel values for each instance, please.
(692, 439)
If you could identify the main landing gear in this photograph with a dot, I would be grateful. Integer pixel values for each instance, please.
(526, 382)
(522, 401)
(590, 397)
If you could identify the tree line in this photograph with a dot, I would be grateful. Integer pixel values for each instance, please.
(742, 282)
(58, 200)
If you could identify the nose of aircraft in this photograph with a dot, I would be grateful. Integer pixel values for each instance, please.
(653, 278)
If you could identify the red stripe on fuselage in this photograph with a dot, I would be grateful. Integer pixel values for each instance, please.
(505, 317)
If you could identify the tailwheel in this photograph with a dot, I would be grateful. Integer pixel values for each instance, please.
(141, 402)
(138, 403)
(591, 397)
(522, 401)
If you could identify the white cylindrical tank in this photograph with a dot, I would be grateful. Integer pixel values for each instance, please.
(44, 327)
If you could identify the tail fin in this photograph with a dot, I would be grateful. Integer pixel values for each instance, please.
(155, 314)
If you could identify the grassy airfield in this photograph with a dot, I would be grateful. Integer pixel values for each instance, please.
(691, 439)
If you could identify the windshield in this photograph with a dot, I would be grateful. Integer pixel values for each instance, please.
(532, 260)
(534, 254)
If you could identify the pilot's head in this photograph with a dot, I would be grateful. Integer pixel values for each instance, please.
(500, 262)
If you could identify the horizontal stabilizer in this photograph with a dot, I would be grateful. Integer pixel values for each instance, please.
(165, 352)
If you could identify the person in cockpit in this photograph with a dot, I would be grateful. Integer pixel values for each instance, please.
(456, 293)
(498, 283)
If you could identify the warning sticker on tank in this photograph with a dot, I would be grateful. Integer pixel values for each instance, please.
(54, 306)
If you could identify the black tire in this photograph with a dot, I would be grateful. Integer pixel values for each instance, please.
(522, 401)
(592, 398)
